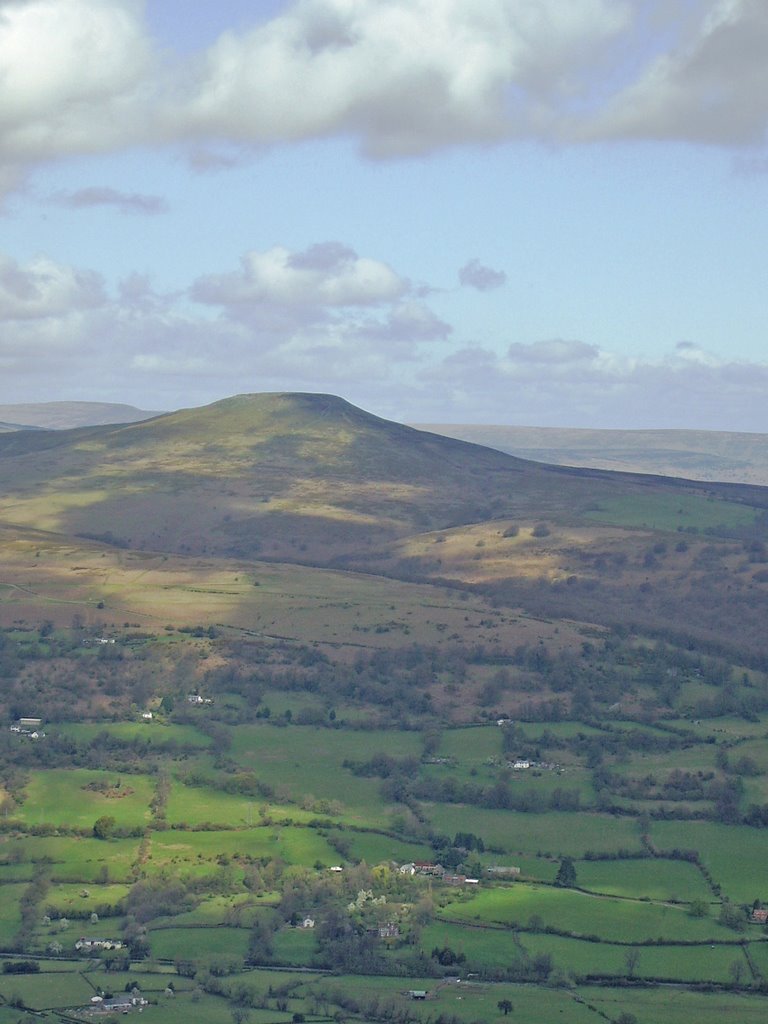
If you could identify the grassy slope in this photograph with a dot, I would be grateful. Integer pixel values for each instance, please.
(300, 477)
(311, 480)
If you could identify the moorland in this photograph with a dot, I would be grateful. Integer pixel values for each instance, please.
(738, 457)
(343, 720)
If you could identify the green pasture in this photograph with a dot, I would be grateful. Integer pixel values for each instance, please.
(156, 733)
(727, 728)
(10, 917)
(237, 910)
(484, 948)
(68, 900)
(700, 757)
(758, 949)
(471, 746)
(644, 879)
(195, 805)
(179, 849)
(294, 946)
(198, 943)
(755, 791)
(204, 805)
(308, 761)
(734, 855)
(657, 510)
(540, 869)
(556, 833)
(672, 963)
(375, 849)
(534, 731)
(676, 1005)
(15, 873)
(469, 1002)
(756, 749)
(45, 991)
(544, 782)
(572, 911)
(79, 859)
(58, 797)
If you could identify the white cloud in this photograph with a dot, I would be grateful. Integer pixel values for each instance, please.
(63, 334)
(406, 76)
(124, 202)
(558, 383)
(326, 275)
(44, 288)
(553, 352)
(711, 87)
(72, 74)
(305, 318)
(401, 78)
(476, 275)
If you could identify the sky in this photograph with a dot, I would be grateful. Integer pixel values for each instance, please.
(533, 212)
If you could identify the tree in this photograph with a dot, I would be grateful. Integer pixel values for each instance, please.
(566, 874)
(732, 916)
(104, 827)
(632, 959)
(736, 971)
(505, 1006)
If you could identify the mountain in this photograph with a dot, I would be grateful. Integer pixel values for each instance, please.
(66, 415)
(288, 476)
(309, 479)
(694, 454)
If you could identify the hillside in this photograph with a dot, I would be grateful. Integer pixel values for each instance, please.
(66, 415)
(297, 477)
(312, 480)
(693, 454)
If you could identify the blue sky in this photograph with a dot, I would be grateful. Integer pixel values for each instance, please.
(545, 212)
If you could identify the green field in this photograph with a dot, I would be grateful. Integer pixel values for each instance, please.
(10, 916)
(733, 855)
(62, 797)
(307, 761)
(74, 900)
(556, 833)
(198, 942)
(644, 879)
(181, 850)
(660, 511)
(155, 733)
(675, 963)
(78, 859)
(41, 991)
(582, 914)
(676, 1006)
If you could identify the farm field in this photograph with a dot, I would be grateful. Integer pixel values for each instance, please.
(731, 855)
(75, 797)
(556, 834)
(583, 914)
(662, 512)
(268, 829)
(647, 878)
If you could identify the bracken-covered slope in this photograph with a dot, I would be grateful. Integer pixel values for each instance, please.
(300, 477)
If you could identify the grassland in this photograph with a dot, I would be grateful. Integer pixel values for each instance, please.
(575, 912)
(66, 798)
(556, 834)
